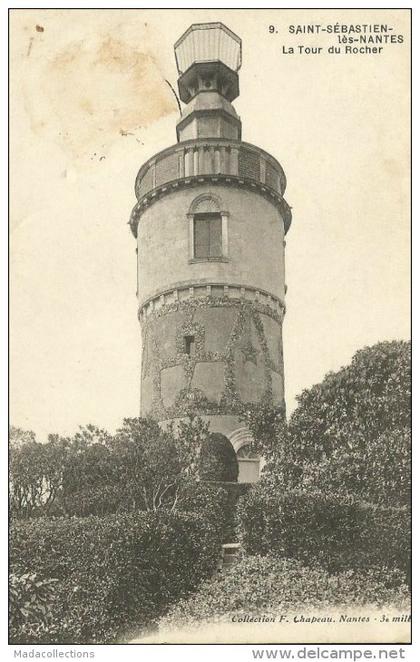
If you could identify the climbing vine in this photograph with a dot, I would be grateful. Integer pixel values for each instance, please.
(194, 400)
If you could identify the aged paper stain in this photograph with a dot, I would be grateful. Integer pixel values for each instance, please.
(95, 89)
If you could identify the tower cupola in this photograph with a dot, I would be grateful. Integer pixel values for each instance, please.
(208, 57)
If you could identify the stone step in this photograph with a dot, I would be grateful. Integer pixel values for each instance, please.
(230, 553)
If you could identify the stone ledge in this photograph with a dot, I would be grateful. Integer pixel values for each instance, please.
(230, 180)
(211, 293)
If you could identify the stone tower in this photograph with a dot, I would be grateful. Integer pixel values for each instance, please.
(210, 222)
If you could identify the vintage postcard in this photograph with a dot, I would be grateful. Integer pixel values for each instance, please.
(210, 386)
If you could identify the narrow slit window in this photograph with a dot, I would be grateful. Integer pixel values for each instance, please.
(207, 235)
(189, 345)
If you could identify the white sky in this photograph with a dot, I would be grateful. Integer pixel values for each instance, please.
(338, 124)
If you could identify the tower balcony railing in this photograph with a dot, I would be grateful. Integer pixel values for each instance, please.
(210, 156)
(190, 161)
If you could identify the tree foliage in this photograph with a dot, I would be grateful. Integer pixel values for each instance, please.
(140, 467)
(36, 475)
(336, 486)
(17, 437)
(352, 407)
(350, 434)
(148, 463)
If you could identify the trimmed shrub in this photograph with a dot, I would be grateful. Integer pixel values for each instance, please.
(209, 500)
(233, 493)
(95, 500)
(216, 502)
(272, 586)
(218, 460)
(112, 572)
(338, 533)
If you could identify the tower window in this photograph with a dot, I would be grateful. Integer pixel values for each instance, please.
(246, 452)
(207, 235)
(189, 345)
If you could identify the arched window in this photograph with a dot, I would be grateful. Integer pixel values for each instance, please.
(207, 229)
(247, 452)
(248, 459)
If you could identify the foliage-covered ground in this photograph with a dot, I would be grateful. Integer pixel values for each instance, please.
(268, 585)
(268, 599)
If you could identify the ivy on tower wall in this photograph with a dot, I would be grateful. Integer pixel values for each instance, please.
(242, 345)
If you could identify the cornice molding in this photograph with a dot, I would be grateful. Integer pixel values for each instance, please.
(226, 180)
(198, 294)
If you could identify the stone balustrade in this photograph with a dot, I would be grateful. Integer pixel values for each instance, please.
(210, 156)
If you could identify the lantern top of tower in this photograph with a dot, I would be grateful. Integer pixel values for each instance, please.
(208, 42)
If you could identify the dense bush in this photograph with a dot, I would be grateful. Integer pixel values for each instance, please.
(36, 474)
(379, 473)
(218, 459)
(216, 502)
(386, 468)
(231, 524)
(141, 467)
(349, 434)
(316, 527)
(336, 485)
(354, 406)
(271, 586)
(208, 499)
(29, 605)
(94, 500)
(111, 571)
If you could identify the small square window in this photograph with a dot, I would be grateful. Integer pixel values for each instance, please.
(189, 345)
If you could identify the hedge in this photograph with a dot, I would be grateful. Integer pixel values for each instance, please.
(271, 586)
(112, 572)
(99, 500)
(314, 527)
(216, 501)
